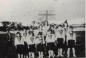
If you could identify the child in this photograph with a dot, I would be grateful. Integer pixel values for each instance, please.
(40, 48)
(50, 45)
(19, 44)
(71, 39)
(60, 40)
(31, 44)
(26, 47)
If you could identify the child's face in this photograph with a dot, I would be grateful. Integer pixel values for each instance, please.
(18, 36)
(70, 30)
(25, 34)
(65, 24)
(60, 28)
(50, 36)
(30, 29)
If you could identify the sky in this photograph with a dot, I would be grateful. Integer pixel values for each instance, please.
(26, 11)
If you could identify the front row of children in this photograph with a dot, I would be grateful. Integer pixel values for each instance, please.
(52, 44)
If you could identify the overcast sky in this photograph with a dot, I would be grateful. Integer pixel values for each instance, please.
(27, 10)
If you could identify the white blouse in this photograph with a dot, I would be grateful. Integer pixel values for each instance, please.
(18, 42)
(37, 41)
(69, 37)
(60, 35)
(50, 39)
(29, 40)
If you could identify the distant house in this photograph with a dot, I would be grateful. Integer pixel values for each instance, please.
(78, 27)
(80, 38)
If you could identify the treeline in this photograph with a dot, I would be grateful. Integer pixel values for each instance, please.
(6, 26)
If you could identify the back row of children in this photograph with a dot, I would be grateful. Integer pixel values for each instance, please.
(47, 40)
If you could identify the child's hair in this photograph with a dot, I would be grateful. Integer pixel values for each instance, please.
(65, 23)
(71, 27)
(59, 26)
(19, 34)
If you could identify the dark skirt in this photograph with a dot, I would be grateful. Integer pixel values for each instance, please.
(40, 47)
(32, 48)
(71, 43)
(26, 48)
(51, 46)
(20, 49)
(60, 42)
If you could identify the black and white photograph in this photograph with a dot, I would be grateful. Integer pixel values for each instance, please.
(42, 29)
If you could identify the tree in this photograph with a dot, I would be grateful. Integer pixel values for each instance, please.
(5, 25)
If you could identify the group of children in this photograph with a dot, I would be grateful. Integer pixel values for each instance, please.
(46, 40)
